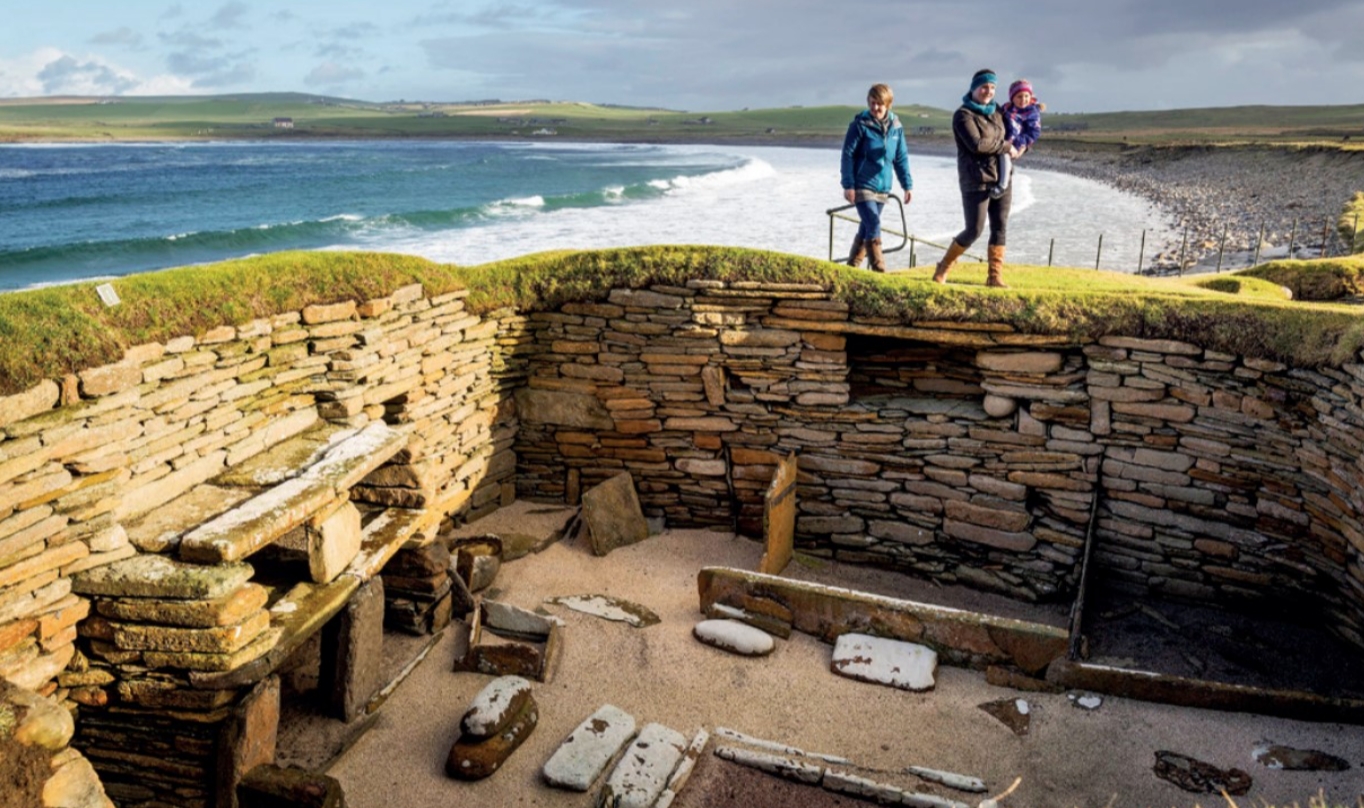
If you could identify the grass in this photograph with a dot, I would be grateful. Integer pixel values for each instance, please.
(250, 116)
(1319, 279)
(50, 332)
(1350, 225)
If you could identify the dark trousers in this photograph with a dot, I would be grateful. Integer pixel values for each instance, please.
(978, 206)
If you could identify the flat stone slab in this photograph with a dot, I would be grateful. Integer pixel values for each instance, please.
(285, 459)
(613, 514)
(518, 622)
(608, 608)
(159, 530)
(585, 753)
(225, 611)
(642, 773)
(782, 766)
(265, 518)
(495, 706)
(905, 665)
(1275, 756)
(1016, 714)
(734, 637)
(1199, 777)
(216, 640)
(156, 576)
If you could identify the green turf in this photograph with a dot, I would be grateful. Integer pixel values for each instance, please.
(47, 333)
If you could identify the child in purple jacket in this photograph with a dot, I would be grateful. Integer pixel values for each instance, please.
(1022, 127)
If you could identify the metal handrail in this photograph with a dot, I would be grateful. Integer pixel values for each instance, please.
(907, 239)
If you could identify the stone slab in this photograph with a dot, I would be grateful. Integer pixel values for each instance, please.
(495, 706)
(477, 758)
(334, 543)
(608, 608)
(968, 639)
(734, 637)
(225, 611)
(642, 773)
(215, 640)
(156, 576)
(779, 518)
(904, 665)
(587, 751)
(289, 457)
(613, 514)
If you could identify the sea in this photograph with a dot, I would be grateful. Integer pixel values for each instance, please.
(94, 211)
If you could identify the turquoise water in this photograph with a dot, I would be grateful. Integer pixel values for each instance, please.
(89, 211)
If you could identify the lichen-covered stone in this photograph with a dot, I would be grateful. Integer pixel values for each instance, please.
(155, 576)
(476, 758)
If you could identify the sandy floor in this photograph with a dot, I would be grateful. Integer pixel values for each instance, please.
(1070, 757)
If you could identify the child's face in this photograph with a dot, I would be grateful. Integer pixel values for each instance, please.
(1022, 98)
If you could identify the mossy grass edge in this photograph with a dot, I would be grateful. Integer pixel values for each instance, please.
(50, 332)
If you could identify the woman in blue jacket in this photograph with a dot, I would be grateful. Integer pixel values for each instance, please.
(874, 148)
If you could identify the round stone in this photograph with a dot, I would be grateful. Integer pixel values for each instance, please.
(999, 406)
(734, 637)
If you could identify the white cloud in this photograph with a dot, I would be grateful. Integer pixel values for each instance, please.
(50, 71)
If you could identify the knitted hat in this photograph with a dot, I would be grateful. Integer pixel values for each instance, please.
(1018, 87)
(983, 77)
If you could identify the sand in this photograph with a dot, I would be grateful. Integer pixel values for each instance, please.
(1070, 757)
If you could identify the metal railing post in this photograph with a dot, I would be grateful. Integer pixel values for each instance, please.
(1183, 248)
(1221, 248)
(1141, 251)
(1293, 238)
(1099, 254)
(831, 237)
(1259, 242)
(1051, 251)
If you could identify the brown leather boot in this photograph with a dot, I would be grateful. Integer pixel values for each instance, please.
(996, 264)
(859, 251)
(954, 251)
(878, 259)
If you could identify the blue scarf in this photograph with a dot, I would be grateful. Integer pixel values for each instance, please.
(971, 104)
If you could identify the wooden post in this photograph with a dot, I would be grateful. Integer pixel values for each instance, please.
(1141, 251)
(1293, 238)
(1258, 244)
(1051, 251)
(1221, 248)
(1099, 254)
(1183, 248)
(1325, 235)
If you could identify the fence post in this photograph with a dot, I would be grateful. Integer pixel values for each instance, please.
(831, 236)
(1051, 251)
(1325, 231)
(1258, 244)
(1100, 252)
(1293, 238)
(1141, 251)
(911, 252)
(1221, 248)
(1183, 247)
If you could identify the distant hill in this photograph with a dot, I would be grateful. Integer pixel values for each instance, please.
(295, 115)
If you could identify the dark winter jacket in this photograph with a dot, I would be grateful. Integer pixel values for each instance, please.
(873, 149)
(980, 140)
(1024, 123)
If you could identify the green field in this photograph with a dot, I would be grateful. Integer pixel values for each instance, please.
(251, 116)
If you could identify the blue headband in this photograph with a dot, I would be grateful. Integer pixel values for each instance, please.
(983, 78)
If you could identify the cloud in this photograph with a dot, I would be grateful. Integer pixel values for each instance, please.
(120, 36)
(339, 52)
(356, 30)
(230, 15)
(172, 12)
(502, 16)
(196, 63)
(67, 75)
(332, 74)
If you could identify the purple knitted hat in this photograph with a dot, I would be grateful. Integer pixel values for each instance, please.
(1018, 87)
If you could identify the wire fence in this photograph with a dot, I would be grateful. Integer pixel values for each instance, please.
(1335, 238)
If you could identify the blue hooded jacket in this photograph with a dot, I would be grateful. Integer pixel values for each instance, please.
(871, 150)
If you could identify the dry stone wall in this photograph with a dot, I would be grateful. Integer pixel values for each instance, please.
(92, 464)
(965, 452)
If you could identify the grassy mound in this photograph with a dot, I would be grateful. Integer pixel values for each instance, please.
(47, 333)
(1322, 279)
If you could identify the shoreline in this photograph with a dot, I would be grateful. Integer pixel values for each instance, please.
(1218, 199)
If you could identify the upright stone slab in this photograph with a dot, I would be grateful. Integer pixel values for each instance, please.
(352, 650)
(905, 665)
(642, 773)
(779, 518)
(333, 542)
(613, 515)
(584, 754)
(247, 739)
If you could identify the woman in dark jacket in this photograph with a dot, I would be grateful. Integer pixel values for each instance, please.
(978, 127)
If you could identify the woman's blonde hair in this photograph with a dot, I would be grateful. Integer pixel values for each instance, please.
(882, 93)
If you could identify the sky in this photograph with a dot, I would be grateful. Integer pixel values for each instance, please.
(696, 55)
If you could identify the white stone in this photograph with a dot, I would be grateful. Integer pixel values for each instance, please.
(1086, 701)
(786, 767)
(489, 708)
(582, 757)
(960, 782)
(642, 773)
(506, 617)
(735, 637)
(890, 662)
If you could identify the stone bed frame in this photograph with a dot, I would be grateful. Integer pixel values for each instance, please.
(968, 453)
